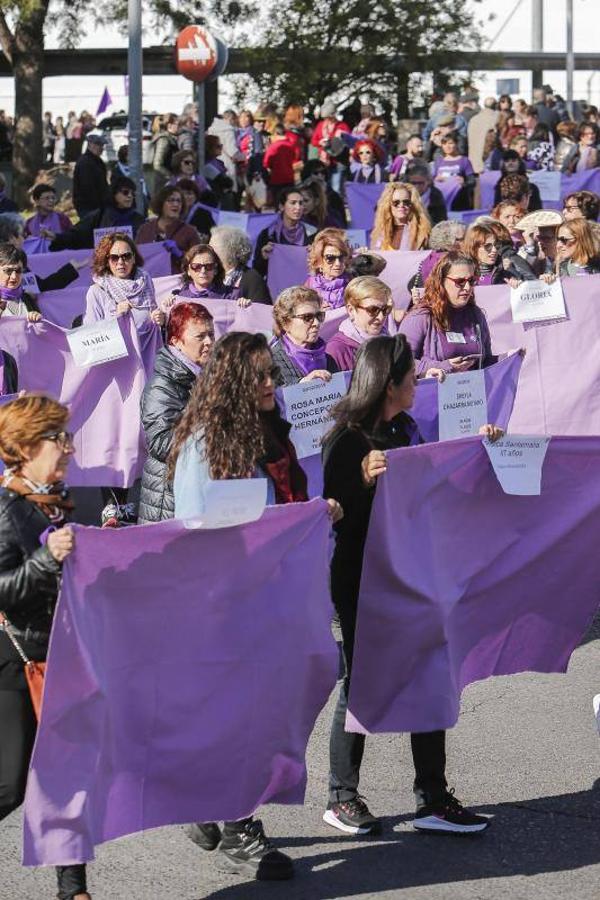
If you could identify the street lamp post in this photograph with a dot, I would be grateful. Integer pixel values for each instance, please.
(570, 57)
(134, 118)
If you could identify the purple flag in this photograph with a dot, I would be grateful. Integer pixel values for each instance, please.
(362, 201)
(560, 378)
(104, 401)
(105, 102)
(450, 187)
(462, 581)
(192, 701)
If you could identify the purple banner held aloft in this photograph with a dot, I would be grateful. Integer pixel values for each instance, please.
(203, 721)
(559, 386)
(362, 201)
(580, 181)
(104, 401)
(450, 188)
(462, 581)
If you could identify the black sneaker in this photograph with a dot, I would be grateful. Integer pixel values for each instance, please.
(449, 815)
(205, 834)
(250, 852)
(352, 816)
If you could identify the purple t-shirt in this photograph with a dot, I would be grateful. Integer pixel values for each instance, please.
(449, 167)
(461, 338)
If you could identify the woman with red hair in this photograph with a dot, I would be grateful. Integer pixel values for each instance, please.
(366, 166)
(190, 339)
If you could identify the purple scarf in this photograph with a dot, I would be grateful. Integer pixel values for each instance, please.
(355, 334)
(330, 290)
(280, 233)
(196, 293)
(8, 295)
(37, 222)
(185, 360)
(307, 359)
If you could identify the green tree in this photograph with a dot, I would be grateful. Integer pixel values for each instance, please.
(376, 45)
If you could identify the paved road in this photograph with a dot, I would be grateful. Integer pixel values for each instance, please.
(525, 751)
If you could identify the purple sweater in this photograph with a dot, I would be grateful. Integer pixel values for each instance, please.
(343, 350)
(429, 350)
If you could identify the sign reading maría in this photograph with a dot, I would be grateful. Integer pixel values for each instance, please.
(307, 408)
(462, 405)
(92, 345)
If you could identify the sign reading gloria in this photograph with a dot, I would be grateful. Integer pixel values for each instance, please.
(98, 343)
(536, 301)
(99, 233)
(462, 405)
(307, 408)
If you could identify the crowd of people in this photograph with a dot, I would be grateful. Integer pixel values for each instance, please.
(209, 409)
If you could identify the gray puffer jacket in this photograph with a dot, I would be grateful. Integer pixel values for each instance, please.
(163, 401)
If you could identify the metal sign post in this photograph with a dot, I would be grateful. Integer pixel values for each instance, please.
(134, 115)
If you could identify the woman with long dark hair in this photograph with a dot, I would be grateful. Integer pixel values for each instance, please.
(371, 419)
(232, 428)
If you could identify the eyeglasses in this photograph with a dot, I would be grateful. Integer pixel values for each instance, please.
(12, 270)
(332, 258)
(461, 282)
(127, 192)
(570, 208)
(116, 257)
(374, 311)
(202, 267)
(489, 247)
(64, 439)
(565, 241)
(273, 373)
(309, 318)
(407, 203)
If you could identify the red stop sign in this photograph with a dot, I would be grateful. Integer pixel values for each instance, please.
(196, 52)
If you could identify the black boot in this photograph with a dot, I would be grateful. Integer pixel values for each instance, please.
(71, 881)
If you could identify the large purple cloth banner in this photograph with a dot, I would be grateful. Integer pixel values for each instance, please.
(288, 267)
(104, 401)
(61, 307)
(559, 386)
(580, 181)
(362, 200)
(202, 721)
(450, 188)
(462, 581)
(251, 223)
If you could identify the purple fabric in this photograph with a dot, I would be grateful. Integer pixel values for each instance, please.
(580, 181)
(330, 290)
(11, 295)
(307, 359)
(451, 167)
(288, 267)
(279, 232)
(33, 246)
(228, 316)
(191, 737)
(426, 340)
(487, 183)
(450, 188)
(185, 360)
(190, 291)
(52, 222)
(435, 611)
(103, 400)
(343, 350)
(362, 201)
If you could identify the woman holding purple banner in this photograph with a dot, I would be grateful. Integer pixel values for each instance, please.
(169, 226)
(35, 541)
(297, 350)
(288, 228)
(371, 419)
(202, 278)
(47, 222)
(401, 220)
(369, 304)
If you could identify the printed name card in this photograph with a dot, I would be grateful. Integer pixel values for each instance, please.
(92, 345)
(462, 405)
(307, 408)
(536, 301)
(517, 461)
(99, 233)
(232, 501)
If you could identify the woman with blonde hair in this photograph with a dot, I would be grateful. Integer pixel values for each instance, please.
(401, 220)
(369, 303)
(576, 249)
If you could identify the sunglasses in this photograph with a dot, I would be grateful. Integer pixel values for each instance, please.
(64, 439)
(461, 282)
(202, 267)
(309, 318)
(571, 208)
(332, 258)
(12, 270)
(116, 257)
(565, 240)
(263, 374)
(374, 311)
(489, 247)
(407, 203)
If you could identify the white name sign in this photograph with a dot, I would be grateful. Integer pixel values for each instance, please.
(99, 233)
(517, 461)
(231, 502)
(94, 344)
(536, 301)
(307, 408)
(462, 405)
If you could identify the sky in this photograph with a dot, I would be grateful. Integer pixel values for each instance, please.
(170, 93)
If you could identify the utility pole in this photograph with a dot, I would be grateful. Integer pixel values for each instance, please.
(570, 57)
(537, 39)
(134, 117)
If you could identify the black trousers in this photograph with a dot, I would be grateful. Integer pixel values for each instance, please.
(17, 735)
(346, 750)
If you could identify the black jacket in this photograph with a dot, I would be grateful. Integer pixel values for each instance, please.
(90, 187)
(163, 401)
(29, 580)
(11, 374)
(437, 206)
(289, 373)
(81, 235)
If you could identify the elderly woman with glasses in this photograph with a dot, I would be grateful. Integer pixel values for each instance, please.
(576, 249)
(14, 299)
(36, 539)
(368, 301)
(332, 266)
(446, 330)
(234, 249)
(401, 221)
(169, 226)
(298, 351)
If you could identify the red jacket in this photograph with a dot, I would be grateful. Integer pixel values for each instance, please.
(327, 129)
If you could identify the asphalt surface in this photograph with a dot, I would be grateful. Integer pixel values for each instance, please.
(526, 751)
